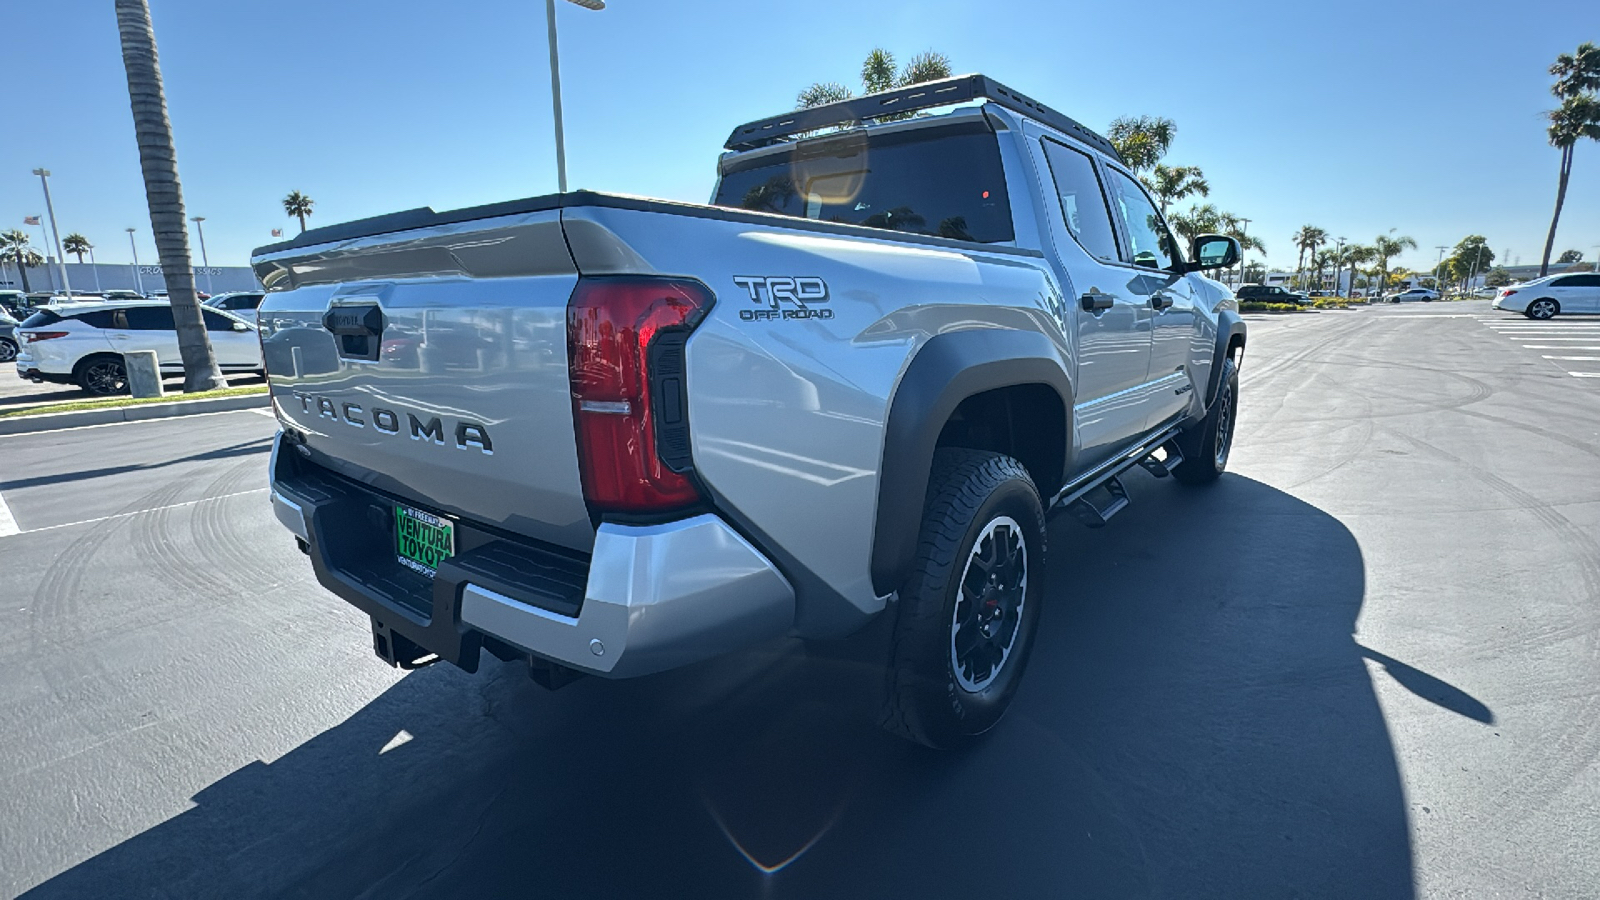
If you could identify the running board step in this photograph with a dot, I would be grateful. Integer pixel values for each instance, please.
(1095, 514)
(1162, 466)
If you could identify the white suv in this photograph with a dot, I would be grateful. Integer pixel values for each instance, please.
(83, 343)
(1544, 298)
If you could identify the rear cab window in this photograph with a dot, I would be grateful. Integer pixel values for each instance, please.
(941, 181)
(1083, 199)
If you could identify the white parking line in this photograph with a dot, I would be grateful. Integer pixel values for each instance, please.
(8, 524)
(137, 512)
(1575, 358)
(1584, 374)
(1557, 347)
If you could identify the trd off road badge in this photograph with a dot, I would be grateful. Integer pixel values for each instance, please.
(784, 297)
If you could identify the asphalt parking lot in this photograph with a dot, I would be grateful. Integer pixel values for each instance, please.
(1364, 664)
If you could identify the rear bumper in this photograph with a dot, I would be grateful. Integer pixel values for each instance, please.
(649, 598)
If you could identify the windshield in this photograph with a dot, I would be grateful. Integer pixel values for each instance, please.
(943, 182)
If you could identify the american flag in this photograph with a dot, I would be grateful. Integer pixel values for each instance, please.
(277, 232)
(31, 220)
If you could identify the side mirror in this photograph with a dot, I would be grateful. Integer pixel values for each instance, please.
(1215, 251)
(240, 326)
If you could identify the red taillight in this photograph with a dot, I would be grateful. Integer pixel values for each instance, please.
(34, 337)
(625, 353)
(1507, 293)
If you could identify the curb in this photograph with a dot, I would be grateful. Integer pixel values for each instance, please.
(54, 421)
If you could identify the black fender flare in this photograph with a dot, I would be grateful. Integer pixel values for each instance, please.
(948, 369)
(1229, 326)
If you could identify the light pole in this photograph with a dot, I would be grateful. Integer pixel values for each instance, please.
(1477, 260)
(1436, 267)
(138, 282)
(1244, 230)
(204, 260)
(555, 83)
(1338, 263)
(61, 259)
(96, 269)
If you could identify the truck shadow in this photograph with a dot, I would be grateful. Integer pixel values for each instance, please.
(1197, 722)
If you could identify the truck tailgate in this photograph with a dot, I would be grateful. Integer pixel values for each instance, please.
(431, 364)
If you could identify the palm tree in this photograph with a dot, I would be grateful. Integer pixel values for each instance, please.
(1307, 240)
(14, 248)
(163, 192)
(77, 245)
(298, 204)
(1197, 220)
(1173, 183)
(1386, 247)
(1141, 141)
(878, 73)
(1355, 255)
(1578, 117)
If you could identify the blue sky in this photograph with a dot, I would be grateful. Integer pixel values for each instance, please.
(1356, 116)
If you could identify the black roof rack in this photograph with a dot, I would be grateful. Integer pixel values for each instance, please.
(768, 131)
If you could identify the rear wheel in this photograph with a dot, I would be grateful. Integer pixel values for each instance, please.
(966, 619)
(102, 376)
(1543, 308)
(8, 351)
(1206, 446)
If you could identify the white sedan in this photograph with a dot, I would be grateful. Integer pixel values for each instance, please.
(1545, 298)
(1423, 294)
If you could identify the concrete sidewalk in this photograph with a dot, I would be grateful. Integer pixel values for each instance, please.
(79, 419)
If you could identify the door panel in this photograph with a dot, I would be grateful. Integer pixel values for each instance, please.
(1168, 297)
(232, 348)
(147, 328)
(1113, 344)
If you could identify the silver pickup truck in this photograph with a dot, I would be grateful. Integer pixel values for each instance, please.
(610, 435)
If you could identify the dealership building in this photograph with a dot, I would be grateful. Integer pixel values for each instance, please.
(126, 277)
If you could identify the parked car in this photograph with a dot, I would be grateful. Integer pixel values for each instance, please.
(1545, 298)
(83, 343)
(857, 398)
(243, 303)
(8, 336)
(14, 302)
(1414, 295)
(1261, 293)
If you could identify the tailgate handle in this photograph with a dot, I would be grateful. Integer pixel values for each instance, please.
(364, 319)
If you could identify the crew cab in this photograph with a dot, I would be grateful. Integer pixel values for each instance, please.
(609, 435)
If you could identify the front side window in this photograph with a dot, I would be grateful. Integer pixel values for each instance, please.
(1083, 202)
(1152, 247)
(944, 181)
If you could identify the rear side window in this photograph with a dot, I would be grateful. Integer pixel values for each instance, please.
(1083, 201)
(100, 318)
(1578, 281)
(248, 301)
(216, 321)
(941, 181)
(149, 318)
(41, 318)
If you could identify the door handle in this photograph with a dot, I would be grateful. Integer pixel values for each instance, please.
(1160, 301)
(1096, 301)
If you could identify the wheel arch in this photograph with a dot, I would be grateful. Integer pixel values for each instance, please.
(1231, 335)
(1023, 370)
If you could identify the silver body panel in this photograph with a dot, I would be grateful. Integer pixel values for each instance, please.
(787, 416)
(659, 597)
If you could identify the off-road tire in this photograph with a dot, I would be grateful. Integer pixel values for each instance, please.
(1204, 458)
(102, 375)
(971, 495)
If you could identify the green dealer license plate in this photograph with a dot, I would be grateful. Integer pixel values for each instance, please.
(422, 539)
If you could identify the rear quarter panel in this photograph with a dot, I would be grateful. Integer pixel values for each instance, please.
(787, 410)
